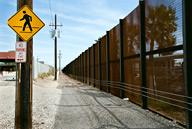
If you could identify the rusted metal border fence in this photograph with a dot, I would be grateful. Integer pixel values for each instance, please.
(137, 63)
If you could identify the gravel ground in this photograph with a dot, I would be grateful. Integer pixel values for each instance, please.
(69, 104)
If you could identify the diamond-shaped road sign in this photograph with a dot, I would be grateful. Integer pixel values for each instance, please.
(25, 23)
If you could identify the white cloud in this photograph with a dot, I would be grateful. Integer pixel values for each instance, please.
(3, 43)
(12, 2)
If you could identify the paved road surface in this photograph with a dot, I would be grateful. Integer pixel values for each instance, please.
(69, 104)
(8, 79)
(84, 107)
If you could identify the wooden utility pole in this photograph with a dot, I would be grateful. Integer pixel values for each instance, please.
(55, 78)
(55, 48)
(24, 88)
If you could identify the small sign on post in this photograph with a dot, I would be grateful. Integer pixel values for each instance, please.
(20, 52)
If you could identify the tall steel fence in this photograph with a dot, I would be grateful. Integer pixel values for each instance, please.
(142, 58)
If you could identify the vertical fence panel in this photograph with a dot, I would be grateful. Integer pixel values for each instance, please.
(121, 60)
(99, 63)
(96, 66)
(91, 65)
(131, 45)
(103, 64)
(164, 57)
(114, 49)
(87, 67)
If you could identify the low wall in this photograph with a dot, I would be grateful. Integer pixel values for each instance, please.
(39, 68)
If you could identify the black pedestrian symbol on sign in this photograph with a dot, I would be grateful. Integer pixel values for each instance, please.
(28, 19)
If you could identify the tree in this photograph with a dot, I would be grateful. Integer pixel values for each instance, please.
(160, 26)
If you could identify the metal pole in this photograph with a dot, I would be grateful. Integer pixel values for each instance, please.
(143, 54)
(93, 65)
(99, 60)
(25, 89)
(89, 66)
(108, 62)
(187, 38)
(55, 48)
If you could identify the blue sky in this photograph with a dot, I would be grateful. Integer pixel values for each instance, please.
(83, 22)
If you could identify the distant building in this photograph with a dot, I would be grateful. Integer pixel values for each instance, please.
(7, 61)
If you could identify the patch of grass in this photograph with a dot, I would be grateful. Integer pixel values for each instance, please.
(44, 75)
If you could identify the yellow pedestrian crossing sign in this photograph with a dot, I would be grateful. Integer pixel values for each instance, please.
(25, 23)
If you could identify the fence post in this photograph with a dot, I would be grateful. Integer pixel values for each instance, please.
(99, 60)
(89, 66)
(83, 66)
(143, 54)
(86, 66)
(108, 63)
(93, 65)
(80, 68)
(187, 49)
(76, 68)
(121, 60)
